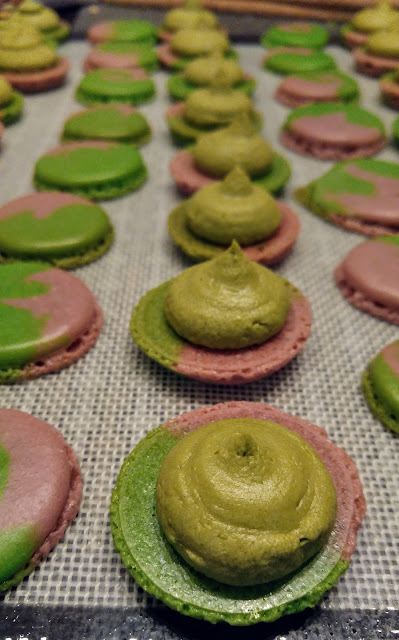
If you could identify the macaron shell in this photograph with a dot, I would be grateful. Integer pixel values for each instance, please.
(298, 90)
(268, 252)
(287, 60)
(360, 196)
(380, 384)
(114, 122)
(41, 494)
(51, 226)
(43, 310)
(43, 80)
(158, 569)
(295, 34)
(334, 131)
(129, 86)
(98, 170)
(371, 269)
(157, 339)
(189, 179)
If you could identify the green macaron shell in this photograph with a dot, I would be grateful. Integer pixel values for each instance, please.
(316, 37)
(19, 327)
(12, 109)
(108, 123)
(382, 410)
(159, 570)
(353, 114)
(286, 63)
(337, 181)
(184, 133)
(183, 61)
(113, 85)
(145, 53)
(381, 388)
(179, 88)
(91, 172)
(134, 31)
(395, 130)
(150, 330)
(71, 236)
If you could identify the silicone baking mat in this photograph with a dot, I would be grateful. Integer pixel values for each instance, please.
(106, 402)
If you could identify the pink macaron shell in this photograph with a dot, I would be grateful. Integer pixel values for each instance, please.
(36, 81)
(351, 505)
(277, 246)
(373, 65)
(372, 269)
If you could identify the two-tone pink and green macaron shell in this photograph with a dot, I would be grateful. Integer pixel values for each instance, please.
(60, 228)
(153, 334)
(48, 318)
(333, 131)
(123, 31)
(40, 490)
(93, 169)
(112, 123)
(287, 60)
(127, 86)
(381, 386)
(294, 34)
(159, 570)
(359, 195)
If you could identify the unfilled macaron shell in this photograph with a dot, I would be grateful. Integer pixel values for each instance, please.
(40, 495)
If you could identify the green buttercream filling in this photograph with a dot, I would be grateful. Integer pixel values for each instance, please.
(188, 15)
(87, 166)
(218, 104)
(383, 16)
(285, 62)
(20, 331)
(4, 469)
(21, 49)
(234, 209)
(198, 42)
(384, 43)
(114, 83)
(218, 152)
(245, 501)
(227, 303)
(6, 92)
(157, 568)
(106, 124)
(385, 385)
(16, 548)
(44, 18)
(70, 229)
(353, 114)
(338, 181)
(202, 71)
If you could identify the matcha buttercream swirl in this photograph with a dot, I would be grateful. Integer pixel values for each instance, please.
(228, 302)
(22, 49)
(245, 501)
(218, 152)
(235, 209)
